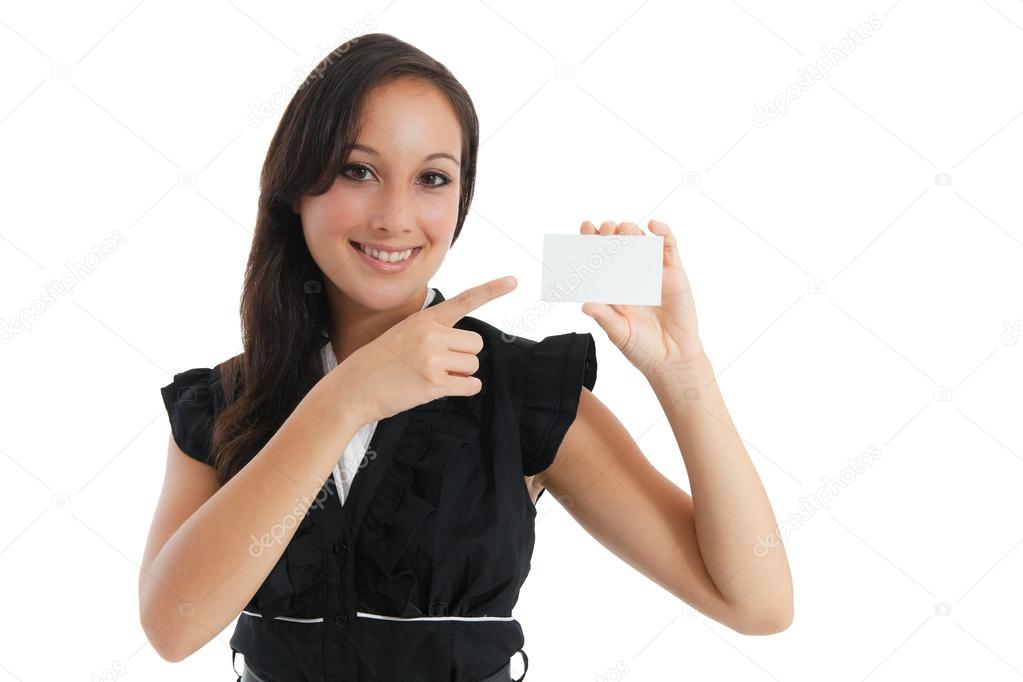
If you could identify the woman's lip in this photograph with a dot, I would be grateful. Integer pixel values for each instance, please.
(380, 266)
(389, 249)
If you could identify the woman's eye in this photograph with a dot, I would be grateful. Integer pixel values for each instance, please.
(356, 169)
(441, 181)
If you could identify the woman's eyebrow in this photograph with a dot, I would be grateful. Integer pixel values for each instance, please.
(435, 155)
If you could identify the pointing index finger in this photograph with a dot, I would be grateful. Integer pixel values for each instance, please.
(451, 310)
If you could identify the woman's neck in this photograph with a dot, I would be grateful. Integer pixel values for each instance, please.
(355, 325)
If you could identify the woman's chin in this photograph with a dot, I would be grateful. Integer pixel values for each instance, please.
(382, 296)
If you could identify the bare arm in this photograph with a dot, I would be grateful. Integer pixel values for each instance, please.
(730, 508)
(198, 572)
(707, 548)
(701, 548)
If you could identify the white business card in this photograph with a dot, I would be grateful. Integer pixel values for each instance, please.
(621, 269)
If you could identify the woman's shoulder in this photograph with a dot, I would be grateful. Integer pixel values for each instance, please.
(192, 386)
(192, 399)
(543, 354)
(548, 373)
(547, 376)
(201, 386)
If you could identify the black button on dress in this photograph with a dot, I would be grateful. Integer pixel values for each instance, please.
(416, 575)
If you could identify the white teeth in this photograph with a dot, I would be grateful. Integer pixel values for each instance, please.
(386, 256)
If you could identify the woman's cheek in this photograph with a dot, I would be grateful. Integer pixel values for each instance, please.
(438, 212)
(346, 213)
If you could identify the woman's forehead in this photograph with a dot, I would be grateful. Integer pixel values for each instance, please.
(408, 118)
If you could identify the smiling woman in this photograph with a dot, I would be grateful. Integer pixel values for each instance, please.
(353, 364)
(365, 187)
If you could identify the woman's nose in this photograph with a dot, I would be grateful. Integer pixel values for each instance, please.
(398, 208)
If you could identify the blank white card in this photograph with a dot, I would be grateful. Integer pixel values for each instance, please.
(621, 269)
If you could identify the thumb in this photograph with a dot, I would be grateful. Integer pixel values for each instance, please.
(611, 321)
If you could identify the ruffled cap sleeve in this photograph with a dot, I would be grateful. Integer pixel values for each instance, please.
(191, 406)
(557, 367)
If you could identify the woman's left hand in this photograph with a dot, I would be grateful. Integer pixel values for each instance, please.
(654, 338)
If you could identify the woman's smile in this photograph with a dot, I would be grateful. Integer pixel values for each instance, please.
(397, 261)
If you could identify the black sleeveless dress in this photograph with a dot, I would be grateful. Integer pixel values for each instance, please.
(416, 575)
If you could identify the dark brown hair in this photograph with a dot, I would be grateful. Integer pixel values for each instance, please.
(284, 314)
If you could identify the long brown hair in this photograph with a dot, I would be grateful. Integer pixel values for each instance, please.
(284, 314)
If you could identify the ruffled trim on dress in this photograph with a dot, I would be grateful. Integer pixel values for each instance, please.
(294, 586)
(409, 493)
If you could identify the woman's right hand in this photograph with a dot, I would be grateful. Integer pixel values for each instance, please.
(421, 358)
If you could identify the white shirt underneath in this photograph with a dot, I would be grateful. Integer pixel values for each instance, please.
(348, 466)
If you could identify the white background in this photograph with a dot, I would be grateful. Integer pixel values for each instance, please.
(849, 299)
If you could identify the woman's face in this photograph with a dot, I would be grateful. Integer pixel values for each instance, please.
(398, 190)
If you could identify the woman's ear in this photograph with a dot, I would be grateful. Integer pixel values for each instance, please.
(295, 206)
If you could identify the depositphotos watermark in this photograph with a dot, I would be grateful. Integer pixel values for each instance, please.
(294, 517)
(61, 287)
(1012, 332)
(818, 500)
(263, 111)
(814, 72)
(557, 291)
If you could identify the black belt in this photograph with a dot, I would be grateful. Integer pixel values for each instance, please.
(502, 675)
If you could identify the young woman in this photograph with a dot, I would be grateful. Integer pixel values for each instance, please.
(357, 487)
